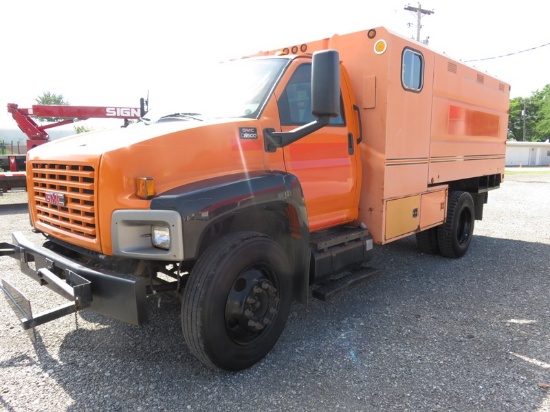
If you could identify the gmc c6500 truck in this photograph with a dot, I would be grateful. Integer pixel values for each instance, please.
(271, 184)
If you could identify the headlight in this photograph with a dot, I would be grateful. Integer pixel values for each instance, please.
(160, 236)
(147, 234)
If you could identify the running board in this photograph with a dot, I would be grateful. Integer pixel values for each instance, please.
(78, 291)
(336, 286)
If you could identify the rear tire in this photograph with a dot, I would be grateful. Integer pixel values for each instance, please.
(426, 241)
(455, 235)
(236, 301)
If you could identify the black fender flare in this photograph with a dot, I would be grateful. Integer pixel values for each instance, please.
(204, 203)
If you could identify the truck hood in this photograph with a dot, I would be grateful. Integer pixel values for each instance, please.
(99, 142)
(97, 171)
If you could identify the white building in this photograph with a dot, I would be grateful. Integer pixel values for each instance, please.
(527, 154)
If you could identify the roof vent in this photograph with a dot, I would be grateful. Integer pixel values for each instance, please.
(451, 67)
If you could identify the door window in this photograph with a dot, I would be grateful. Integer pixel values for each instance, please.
(295, 102)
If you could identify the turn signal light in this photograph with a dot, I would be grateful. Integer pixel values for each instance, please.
(145, 187)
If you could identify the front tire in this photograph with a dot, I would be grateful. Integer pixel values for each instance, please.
(455, 235)
(236, 301)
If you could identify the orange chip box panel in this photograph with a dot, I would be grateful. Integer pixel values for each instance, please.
(448, 124)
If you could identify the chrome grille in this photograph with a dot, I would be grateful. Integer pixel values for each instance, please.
(64, 197)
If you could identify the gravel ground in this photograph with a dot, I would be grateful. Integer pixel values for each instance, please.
(427, 334)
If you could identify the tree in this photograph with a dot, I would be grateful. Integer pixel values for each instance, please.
(522, 118)
(48, 98)
(83, 129)
(515, 119)
(542, 127)
(529, 117)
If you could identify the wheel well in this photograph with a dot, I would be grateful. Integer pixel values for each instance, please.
(279, 221)
(478, 187)
(271, 220)
(477, 184)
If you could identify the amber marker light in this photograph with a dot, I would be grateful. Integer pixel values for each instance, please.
(380, 46)
(145, 187)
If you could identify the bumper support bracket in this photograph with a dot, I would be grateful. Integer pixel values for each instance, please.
(113, 295)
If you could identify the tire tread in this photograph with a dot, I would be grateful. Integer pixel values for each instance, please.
(427, 242)
(196, 288)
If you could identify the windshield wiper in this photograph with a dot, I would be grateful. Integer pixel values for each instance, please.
(183, 116)
(192, 116)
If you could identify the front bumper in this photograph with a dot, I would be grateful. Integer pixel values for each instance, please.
(116, 296)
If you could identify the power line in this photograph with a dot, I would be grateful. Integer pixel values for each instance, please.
(509, 54)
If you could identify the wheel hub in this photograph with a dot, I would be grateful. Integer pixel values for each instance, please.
(252, 305)
(464, 227)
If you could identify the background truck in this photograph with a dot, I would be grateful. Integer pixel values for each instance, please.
(273, 182)
(37, 133)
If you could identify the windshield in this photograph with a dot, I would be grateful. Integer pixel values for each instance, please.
(233, 89)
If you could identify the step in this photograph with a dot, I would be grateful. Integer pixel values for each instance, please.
(337, 236)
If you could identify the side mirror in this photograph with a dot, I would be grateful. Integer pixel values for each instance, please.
(325, 100)
(325, 84)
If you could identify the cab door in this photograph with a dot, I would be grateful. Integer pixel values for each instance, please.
(326, 162)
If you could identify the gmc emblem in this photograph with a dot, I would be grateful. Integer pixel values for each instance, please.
(56, 199)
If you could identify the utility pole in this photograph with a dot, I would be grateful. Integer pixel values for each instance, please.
(419, 12)
(524, 115)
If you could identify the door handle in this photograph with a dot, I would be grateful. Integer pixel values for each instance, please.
(356, 108)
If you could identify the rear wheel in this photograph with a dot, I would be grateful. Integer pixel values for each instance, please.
(455, 235)
(237, 301)
(426, 241)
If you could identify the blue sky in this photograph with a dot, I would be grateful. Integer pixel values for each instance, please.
(111, 53)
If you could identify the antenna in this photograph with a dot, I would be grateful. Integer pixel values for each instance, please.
(144, 105)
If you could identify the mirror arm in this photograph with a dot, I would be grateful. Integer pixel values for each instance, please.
(273, 139)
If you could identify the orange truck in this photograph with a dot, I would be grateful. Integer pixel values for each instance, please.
(272, 183)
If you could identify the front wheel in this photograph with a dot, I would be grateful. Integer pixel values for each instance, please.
(236, 301)
(455, 235)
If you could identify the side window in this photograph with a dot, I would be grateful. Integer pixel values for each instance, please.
(295, 102)
(412, 70)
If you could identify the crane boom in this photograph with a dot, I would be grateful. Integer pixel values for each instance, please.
(37, 134)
